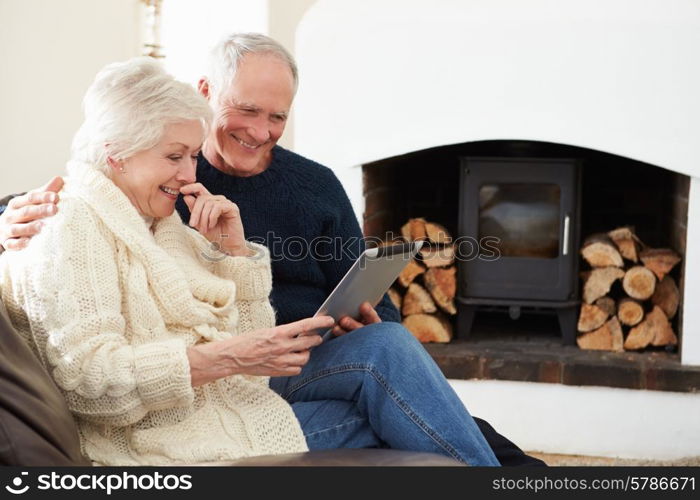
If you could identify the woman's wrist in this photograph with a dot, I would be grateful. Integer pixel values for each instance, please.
(242, 250)
(210, 361)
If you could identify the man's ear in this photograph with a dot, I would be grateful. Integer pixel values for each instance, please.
(203, 87)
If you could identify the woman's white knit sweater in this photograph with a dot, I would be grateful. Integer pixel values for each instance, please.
(110, 306)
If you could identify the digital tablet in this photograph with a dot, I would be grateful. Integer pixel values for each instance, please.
(367, 280)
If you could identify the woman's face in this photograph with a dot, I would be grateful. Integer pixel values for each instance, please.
(152, 179)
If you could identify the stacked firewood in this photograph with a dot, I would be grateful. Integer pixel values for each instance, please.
(636, 314)
(425, 290)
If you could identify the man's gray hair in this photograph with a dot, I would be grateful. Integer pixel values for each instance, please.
(128, 107)
(226, 55)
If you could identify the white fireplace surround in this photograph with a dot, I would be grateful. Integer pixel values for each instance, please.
(388, 77)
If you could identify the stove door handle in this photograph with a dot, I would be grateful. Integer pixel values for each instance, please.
(565, 243)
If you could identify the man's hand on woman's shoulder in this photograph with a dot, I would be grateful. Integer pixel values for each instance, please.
(22, 217)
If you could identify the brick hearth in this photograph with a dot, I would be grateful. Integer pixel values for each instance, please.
(529, 350)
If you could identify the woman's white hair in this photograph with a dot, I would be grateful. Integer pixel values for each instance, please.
(127, 109)
(226, 55)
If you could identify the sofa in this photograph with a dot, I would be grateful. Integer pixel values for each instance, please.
(37, 429)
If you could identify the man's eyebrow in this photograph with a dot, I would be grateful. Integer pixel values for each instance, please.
(255, 107)
(245, 105)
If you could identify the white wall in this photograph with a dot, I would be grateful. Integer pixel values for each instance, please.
(190, 28)
(284, 17)
(49, 53)
(385, 78)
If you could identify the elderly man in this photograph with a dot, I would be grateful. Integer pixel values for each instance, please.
(294, 206)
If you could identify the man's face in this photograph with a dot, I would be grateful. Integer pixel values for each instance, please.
(250, 116)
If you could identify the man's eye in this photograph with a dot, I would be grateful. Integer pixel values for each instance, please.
(278, 118)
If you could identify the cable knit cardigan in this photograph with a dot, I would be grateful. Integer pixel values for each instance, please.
(110, 306)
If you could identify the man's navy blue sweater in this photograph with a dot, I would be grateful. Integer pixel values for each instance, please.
(299, 210)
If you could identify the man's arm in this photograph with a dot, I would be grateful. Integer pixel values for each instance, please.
(20, 214)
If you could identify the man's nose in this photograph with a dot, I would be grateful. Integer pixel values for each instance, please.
(259, 130)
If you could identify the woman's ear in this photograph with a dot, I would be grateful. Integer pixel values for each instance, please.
(203, 87)
(115, 165)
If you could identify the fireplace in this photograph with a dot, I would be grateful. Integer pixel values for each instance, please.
(575, 191)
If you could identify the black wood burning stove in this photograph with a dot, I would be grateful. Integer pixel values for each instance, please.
(523, 214)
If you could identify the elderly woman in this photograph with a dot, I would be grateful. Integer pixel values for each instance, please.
(148, 326)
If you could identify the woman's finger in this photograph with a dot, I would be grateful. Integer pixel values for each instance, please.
(306, 325)
(215, 215)
(299, 358)
(196, 189)
(196, 212)
(204, 216)
(189, 201)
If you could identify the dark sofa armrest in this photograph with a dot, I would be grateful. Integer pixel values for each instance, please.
(36, 427)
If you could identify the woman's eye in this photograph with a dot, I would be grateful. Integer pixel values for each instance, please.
(194, 157)
(175, 157)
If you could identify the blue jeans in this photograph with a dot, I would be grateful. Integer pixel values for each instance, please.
(378, 387)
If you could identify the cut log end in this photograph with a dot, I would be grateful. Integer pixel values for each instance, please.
(599, 251)
(428, 328)
(414, 230)
(598, 282)
(437, 256)
(410, 272)
(442, 285)
(630, 312)
(627, 243)
(660, 325)
(607, 304)
(606, 338)
(667, 296)
(654, 330)
(437, 233)
(417, 301)
(639, 283)
(659, 260)
(591, 318)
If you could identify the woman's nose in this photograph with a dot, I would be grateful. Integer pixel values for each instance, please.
(188, 172)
